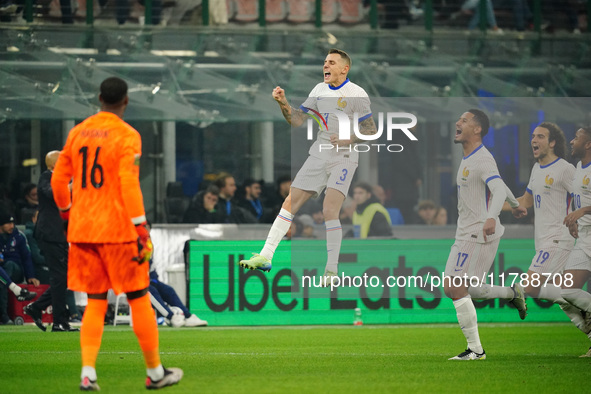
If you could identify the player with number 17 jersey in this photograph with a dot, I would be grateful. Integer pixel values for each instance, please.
(101, 156)
(474, 196)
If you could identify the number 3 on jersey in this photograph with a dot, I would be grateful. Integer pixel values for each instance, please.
(343, 177)
(96, 171)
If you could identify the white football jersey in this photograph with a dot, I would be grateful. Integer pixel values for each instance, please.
(476, 170)
(551, 188)
(324, 100)
(582, 191)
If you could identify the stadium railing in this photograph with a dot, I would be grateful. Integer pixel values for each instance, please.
(317, 12)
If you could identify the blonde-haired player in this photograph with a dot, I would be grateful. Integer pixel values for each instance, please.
(330, 169)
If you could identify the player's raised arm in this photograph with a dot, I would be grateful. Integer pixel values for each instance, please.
(366, 127)
(293, 116)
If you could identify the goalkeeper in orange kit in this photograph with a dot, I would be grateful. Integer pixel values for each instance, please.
(110, 245)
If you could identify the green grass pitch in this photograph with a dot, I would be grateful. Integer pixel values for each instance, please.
(524, 358)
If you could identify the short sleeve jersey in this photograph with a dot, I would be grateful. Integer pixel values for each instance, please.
(582, 191)
(551, 188)
(101, 157)
(324, 100)
(474, 173)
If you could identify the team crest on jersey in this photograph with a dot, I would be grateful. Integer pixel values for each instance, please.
(341, 103)
(136, 160)
(465, 173)
(585, 182)
(549, 181)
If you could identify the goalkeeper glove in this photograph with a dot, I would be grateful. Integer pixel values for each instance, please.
(144, 243)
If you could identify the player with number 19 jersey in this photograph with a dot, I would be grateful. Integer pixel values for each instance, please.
(101, 157)
(551, 186)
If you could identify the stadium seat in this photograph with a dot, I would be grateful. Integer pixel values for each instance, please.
(121, 298)
(174, 208)
(246, 10)
(300, 10)
(395, 216)
(276, 10)
(330, 11)
(351, 11)
(174, 189)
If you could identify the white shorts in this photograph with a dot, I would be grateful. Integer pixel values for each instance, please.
(317, 174)
(584, 240)
(549, 259)
(471, 258)
(578, 260)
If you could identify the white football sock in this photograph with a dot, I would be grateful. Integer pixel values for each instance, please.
(15, 288)
(578, 297)
(88, 372)
(155, 373)
(575, 315)
(334, 237)
(278, 230)
(487, 292)
(468, 322)
(551, 292)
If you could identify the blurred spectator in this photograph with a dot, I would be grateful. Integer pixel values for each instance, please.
(392, 11)
(274, 202)
(6, 204)
(404, 182)
(379, 193)
(370, 219)
(123, 10)
(232, 212)
(251, 199)
(164, 298)
(347, 211)
(15, 261)
(41, 268)
(203, 207)
(174, 11)
(472, 7)
(303, 227)
(426, 212)
(521, 11)
(440, 217)
(555, 7)
(313, 208)
(28, 204)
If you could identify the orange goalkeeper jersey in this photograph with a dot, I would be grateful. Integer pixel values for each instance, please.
(101, 156)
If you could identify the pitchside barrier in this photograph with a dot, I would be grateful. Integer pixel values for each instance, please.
(392, 281)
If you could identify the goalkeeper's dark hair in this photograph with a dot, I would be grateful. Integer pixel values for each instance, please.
(113, 90)
(482, 119)
(556, 134)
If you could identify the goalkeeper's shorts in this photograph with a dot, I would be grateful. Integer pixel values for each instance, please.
(96, 268)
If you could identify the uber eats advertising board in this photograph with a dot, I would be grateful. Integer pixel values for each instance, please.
(391, 281)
